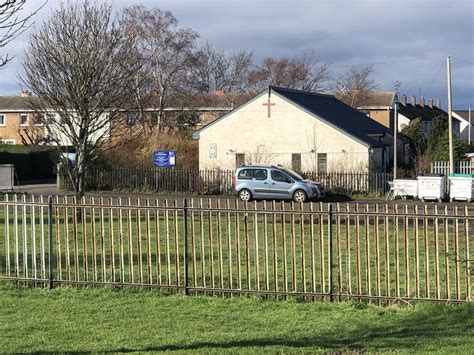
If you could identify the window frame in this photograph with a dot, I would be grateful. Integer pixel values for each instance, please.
(259, 169)
(283, 173)
(4, 119)
(250, 177)
(319, 159)
(27, 119)
(239, 155)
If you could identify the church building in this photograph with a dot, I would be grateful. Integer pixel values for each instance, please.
(301, 130)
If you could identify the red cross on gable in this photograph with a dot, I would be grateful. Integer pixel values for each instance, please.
(268, 104)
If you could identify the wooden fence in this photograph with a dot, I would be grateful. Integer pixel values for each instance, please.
(460, 167)
(214, 181)
(223, 247)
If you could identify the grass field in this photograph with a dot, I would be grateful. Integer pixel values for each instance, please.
(102, 319)
(245, 250)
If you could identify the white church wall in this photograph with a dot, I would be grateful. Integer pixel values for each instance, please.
(273, 140)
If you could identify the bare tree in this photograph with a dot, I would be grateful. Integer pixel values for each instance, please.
(208, 68)
(304, 72)
(164, 49)
(77, 65)
(239, 71)
(355, 85)
(12, 24)
(212, 69)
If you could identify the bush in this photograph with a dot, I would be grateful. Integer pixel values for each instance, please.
(140, 152)
(31, 162)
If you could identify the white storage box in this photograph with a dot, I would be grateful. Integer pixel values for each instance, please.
(461, 187)
(431, 187)
(6, 176)
(405, 187)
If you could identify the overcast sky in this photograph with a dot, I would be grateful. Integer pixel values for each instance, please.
(406, 40)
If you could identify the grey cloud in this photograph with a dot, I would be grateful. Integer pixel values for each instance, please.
(342, 32)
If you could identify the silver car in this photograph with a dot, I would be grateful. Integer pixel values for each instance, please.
(274, 183)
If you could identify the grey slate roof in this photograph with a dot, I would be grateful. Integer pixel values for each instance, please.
(337, 114)
(465, 115)
(379, 99)
(13, 103)
(425, 112)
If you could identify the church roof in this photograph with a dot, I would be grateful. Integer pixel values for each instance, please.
(337, 114)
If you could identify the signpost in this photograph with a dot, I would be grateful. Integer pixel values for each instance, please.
(164, 158)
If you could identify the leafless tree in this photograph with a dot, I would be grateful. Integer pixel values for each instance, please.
(212, 69)
(164, 50)
(304, 72)
(239, 70)
(208, 69)
(12, 24)
(355, 85)
(77, 65)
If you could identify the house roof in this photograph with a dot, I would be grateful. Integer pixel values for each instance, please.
(425, 112)
(177, 101)
(201, 100)
(330, 110)
(464, 114)
(14, 103)
(382, 99)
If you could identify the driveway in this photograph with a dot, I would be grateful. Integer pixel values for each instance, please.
(51, 189)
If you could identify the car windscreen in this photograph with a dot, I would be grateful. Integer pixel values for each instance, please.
(294, 174)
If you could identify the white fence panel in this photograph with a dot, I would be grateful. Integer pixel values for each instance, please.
(460, 167)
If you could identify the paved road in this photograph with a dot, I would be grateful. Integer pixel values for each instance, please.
(345, 202)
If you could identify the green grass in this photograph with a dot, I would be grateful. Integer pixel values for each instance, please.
(103, 319)
(257, 229)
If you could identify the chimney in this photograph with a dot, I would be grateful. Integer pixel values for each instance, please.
(412, 100)
(25, 93)
(430, 103)
(219, 92)
(438, 103)
(404, 100)
(422, 101)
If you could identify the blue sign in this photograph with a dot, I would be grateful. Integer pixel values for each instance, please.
(164, 158)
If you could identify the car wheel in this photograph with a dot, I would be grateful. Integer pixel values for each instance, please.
(300, 196)
(245, 195)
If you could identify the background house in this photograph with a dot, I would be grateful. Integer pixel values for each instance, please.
(20, 124)
(17, 121)
(379, 107)
(464, 124)
(297, 129)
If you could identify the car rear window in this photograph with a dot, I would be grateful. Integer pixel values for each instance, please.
(245, 174)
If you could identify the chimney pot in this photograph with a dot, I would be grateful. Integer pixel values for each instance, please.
(404, 100)
(422, 101)
(430, 103)
(438, 103)
(412, 100)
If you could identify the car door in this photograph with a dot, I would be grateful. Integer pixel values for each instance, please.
(280, 185)
(260, 183)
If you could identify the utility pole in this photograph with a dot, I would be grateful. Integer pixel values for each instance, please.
(450, 117)
(395, 132)
(469, 127)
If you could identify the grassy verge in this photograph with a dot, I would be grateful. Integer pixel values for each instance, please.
(102, 319)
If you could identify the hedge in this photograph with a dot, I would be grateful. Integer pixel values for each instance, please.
(31, 163)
